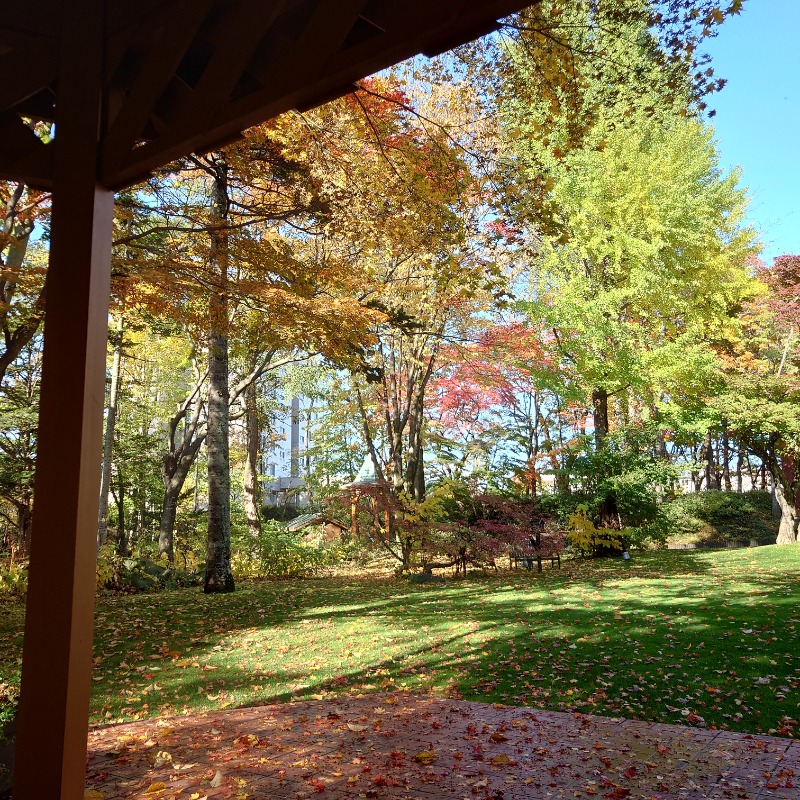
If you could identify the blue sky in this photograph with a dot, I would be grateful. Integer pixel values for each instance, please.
(758, 115)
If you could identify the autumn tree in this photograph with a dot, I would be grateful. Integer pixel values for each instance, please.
(22, 299)
(499, 404)
(19, 402)
(284, 213)
(761, 392)
(429, 273)
(22, 269)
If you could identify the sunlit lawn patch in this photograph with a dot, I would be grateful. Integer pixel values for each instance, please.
(697, 637)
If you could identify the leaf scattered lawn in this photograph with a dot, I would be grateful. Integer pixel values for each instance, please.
(699, 638)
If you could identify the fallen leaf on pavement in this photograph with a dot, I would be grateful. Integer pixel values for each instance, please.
(426, 757)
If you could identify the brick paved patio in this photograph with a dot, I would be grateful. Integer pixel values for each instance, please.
(400, 746)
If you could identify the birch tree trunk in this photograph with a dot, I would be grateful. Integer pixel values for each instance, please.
(252, 484)
(108, 440)
(787, 529)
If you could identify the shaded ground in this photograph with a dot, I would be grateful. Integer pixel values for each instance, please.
(402, 746)
(720, 519)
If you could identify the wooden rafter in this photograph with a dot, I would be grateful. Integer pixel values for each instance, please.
(152, 75)
(23, 156)
(190, 75)
(38, 70)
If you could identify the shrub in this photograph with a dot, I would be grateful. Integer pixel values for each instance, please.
(14, 581)
(714, 516)
(141, 573)
(560, 505)
(475, 528)
(279, 554)
(589, 540)
(715, 506)
(9, 699)
(652, 534)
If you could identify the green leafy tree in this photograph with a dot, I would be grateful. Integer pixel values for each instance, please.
(635, 238)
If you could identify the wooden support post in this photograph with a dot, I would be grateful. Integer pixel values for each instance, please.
(354, 515)
(57, 655)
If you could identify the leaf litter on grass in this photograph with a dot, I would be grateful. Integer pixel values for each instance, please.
(703, 639)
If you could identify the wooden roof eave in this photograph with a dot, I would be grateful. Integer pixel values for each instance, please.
(190, 75)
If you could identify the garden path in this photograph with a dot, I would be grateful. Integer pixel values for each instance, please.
(403, 746)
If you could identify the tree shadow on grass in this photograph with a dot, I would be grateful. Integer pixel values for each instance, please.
(664, 639)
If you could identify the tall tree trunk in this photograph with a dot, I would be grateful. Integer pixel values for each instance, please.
(174, 471)
(415, 475)
(709, 457)
(697, 477)
(532, 455)
(252, 484)
(108, 440)
(21, 536)
(777, 512)
(726, 457)
(608, 512)
(219, 577)
(789, 521)
(739, 462)
(14, 239)
(787, 531)
(600, 413)
(119, 498)
(752, 474)
(169, 511)
(785, 478)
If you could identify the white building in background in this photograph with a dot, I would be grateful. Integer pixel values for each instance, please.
(687, 484)
(285, 447)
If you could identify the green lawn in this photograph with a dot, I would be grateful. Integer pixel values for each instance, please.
(669, 637)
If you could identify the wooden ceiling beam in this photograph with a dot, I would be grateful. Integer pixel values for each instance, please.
(15, 39)
(39, 107)
(404, 37)
(236, 39)
(32, 71)
(30, 19)
(123, 16)
(34, 168)
(16, 138)
(320, 38)
(155, 73)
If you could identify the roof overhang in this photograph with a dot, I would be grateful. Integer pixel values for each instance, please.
(185, 76)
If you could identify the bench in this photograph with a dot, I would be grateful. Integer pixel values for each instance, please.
(539, 547)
